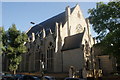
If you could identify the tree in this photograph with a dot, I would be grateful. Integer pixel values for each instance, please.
(1, 47)
(13, 41)
(105, 20)
(1, 35)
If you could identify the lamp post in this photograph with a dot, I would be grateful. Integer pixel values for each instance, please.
(32, 22)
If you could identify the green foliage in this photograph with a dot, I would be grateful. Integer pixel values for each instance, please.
(105, 20)
(13, 41)
(15, 61)
(1, 36)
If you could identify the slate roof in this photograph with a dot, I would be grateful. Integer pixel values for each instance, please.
(73, 42)
(49, 23)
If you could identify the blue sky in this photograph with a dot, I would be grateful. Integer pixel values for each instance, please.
(22, 13)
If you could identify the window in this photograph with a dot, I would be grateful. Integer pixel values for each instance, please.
(41, 42)
(87, 65)
(79, 28)
(50, 43)
(99, 63)
(49, 55)
(28, 49)
(78, 14)
(30, 38)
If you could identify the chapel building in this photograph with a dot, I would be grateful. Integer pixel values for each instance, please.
(58, 43)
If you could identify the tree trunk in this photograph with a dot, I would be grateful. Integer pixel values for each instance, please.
(14, 72)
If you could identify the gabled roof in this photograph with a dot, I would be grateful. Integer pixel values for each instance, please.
(49, 23)
(73, 42)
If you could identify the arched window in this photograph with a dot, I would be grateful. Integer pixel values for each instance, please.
(87, 65)
(50, 57)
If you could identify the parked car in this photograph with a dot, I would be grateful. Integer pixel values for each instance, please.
(68, 78)
(29, 77)
(7, 76)
(48, 78)
(18, 76)
(36, 78)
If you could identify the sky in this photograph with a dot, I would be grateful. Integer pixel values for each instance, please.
(22, 13)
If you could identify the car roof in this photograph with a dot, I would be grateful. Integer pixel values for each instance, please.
(72, 78)
(49, 76)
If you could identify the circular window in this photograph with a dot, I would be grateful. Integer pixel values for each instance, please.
(79, 29)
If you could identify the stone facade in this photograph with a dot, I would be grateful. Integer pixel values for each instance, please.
(60, 42)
